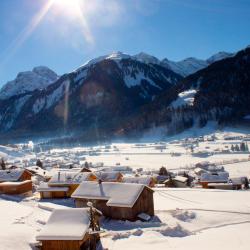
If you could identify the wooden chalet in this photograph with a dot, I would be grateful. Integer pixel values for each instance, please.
(121, 201)
(15, 188)
(15, 175)
(63, 184)
(69, 229)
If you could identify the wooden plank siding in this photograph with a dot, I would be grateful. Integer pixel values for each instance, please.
(26, 176)
(144, 204)
(16, 189)
(88, 242)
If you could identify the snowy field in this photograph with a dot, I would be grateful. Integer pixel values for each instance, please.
(184, 218)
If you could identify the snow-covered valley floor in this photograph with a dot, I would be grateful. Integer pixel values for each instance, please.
(185, 218)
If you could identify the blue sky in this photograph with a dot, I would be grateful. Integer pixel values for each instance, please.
(31, 35)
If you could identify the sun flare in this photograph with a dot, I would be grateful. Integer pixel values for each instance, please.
(68, 6)
(76, 11)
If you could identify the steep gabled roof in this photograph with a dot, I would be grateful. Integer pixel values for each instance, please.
(145, 180)
(116, 194)
(11, 175)
(64, 178)
(108, 175)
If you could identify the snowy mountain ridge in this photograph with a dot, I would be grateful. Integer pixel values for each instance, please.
(41, 77)
(28, 81)
(184, 67)
(219, 56)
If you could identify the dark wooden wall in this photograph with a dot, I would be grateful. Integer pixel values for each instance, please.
(26, 176)
(70, 244)
(144, 204)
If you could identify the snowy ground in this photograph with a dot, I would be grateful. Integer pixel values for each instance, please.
(185, 218)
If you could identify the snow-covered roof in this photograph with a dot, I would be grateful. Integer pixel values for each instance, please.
(43, 187)
(180, 178)
(66, 224)
(199, 170)
(11, 175)
(145, 180)
(64, 178)
(108, 175)
(215, 168)
(116, 194)
(219, 177)
(38, 170)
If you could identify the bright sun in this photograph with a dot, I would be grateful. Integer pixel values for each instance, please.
(68, 6)
(76, 11)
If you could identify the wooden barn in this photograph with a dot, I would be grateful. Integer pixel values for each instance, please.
(121, 201)
(69, 229)
(220, 177)
(14, 175)
(145, 180)
(15, 188)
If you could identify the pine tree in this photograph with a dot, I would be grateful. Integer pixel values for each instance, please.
(39, 163)
(242, 147)
(2, 164)
(237, 148)
(232, 147)
(163, 171)
(246, 147)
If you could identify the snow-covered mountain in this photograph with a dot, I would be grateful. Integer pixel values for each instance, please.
(219, 92)
(185, 67)
(219, 56)
(104, 92)
(105, 89)
(146, 58)
(39, 78)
